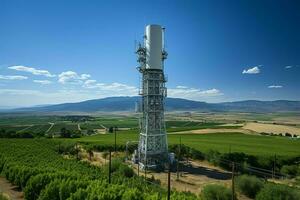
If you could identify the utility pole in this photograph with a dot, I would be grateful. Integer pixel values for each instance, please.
(138, 168)
(274, 166)
(232, 182)
(115, 130)
(145, 170)
(77, 151)
(169, 180)
(179, 156)
(109, 168)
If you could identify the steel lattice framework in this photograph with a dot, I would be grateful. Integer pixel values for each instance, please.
(153, 148)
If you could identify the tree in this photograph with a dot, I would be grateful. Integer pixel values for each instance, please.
(249, 185)
(64, 133)
(277, 191)
(214, 191)
(111, 129)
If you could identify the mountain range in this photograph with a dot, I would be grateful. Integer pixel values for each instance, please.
(128, 104)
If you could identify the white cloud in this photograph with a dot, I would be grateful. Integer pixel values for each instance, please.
(211, 92)
(91, 89)
(288, 67)
(32, 70)
(72, 77)
(19, 92)
(181, 87)
(89, 83)
(114, 89)
(275, 86)
(3, 77)
(43, 82)
(193, 93)
(21, 98)
(253, 70)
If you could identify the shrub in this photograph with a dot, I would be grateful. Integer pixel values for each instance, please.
(219, 192)
(213, 156)
(2, 197)
(196, 154)
(35, 185)
(153, 196)
(78, 195)
(289, 170)
(67, 148)
(278, 192)
(183, 196)
(115, 164)
(132, 194)
(249, 185)
(39, 182)
(234, 157)
(51, 191)
(70, 186)
(25, 174)
(126, 171)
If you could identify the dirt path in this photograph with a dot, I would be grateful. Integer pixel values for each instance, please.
(103, 126)
(52, 124)
(192, 177)
(211, 130)
(24, 129)
(10, 190)
(78, 125)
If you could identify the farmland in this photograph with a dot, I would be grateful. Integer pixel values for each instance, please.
(227, 137)
(202, 138)
(224, 143)
(41, 171)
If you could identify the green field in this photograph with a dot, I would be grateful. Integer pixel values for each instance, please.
(234, 142)
(41, 124)
(38, 167)
(222, 142)
(58, 126)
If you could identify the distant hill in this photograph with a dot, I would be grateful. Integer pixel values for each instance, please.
(119, 104)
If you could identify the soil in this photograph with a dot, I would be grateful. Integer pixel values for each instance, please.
(192, 176)
(208, 130)
(9, 190)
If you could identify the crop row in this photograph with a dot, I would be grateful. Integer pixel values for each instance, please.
(38, 168)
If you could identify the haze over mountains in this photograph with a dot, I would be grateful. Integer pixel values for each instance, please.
(128, 104)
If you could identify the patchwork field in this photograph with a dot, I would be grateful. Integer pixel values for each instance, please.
(226, 132)
(272, 128)
(222, 142)
(208, 136)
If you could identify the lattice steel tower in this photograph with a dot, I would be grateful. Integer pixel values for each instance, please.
(153, 148)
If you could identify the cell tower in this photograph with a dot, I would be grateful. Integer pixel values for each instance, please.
(153, 147)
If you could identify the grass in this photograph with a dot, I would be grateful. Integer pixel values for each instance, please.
(27, 120)
(222, 142)
(37, 128)
(58, 126)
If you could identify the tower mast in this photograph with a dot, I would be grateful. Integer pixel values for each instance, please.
(153, 147)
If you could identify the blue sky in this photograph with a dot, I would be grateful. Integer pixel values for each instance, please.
(67, 51)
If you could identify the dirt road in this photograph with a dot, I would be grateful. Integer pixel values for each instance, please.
(51, 125)
(10, 190)
(210, 130)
